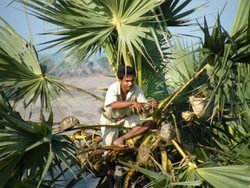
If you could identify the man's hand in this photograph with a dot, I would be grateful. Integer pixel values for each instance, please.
(139, 107)
(154, 103)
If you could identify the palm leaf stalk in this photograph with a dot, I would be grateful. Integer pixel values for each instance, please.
(165, 104)
(82, 90)
(164, 158)
(128, 177)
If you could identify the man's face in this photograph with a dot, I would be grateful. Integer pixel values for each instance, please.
(127, 83)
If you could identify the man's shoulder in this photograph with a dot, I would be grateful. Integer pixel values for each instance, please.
(137, 88)
(114, 85)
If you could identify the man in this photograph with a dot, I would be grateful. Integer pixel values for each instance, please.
(121, 98)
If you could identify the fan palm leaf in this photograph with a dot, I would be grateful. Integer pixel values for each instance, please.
(30, 151)
(22, 77)
(121, 28)
(88, 26)
(226, 176)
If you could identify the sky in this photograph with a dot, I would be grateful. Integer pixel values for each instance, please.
(14, 14)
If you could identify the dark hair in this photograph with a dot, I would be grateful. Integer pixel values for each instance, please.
(125, 70)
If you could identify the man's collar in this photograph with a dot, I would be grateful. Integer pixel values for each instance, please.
(129, 93)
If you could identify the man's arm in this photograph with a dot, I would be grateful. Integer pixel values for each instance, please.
(123, 104)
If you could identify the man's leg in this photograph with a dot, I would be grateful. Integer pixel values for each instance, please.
(136, 131)
(109, 134)
(110, 174)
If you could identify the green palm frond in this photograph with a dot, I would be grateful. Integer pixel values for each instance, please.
(241, 17)
(130, 32)
(154, 85)
(226, 176)
(240, 46)
(224, 54)
(173, 13)
(21, 76)
(87, 26)
(183, 65)
(29, 150)
(162, 180)
(119, 27)
(217, 176)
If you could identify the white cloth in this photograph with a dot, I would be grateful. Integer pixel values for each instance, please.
(110, 134)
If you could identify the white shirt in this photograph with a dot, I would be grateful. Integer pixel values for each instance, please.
(114, 94)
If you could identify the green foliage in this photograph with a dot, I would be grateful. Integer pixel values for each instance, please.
(226, 176)
(21, 77)
(130, 32)
(30, 152)
(209, 153)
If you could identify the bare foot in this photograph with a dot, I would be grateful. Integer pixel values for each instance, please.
(119, 143)
(97, 139)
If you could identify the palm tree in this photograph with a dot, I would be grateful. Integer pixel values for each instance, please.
(204, 153)
(106, 26)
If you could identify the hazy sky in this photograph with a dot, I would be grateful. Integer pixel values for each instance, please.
(15, 16)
